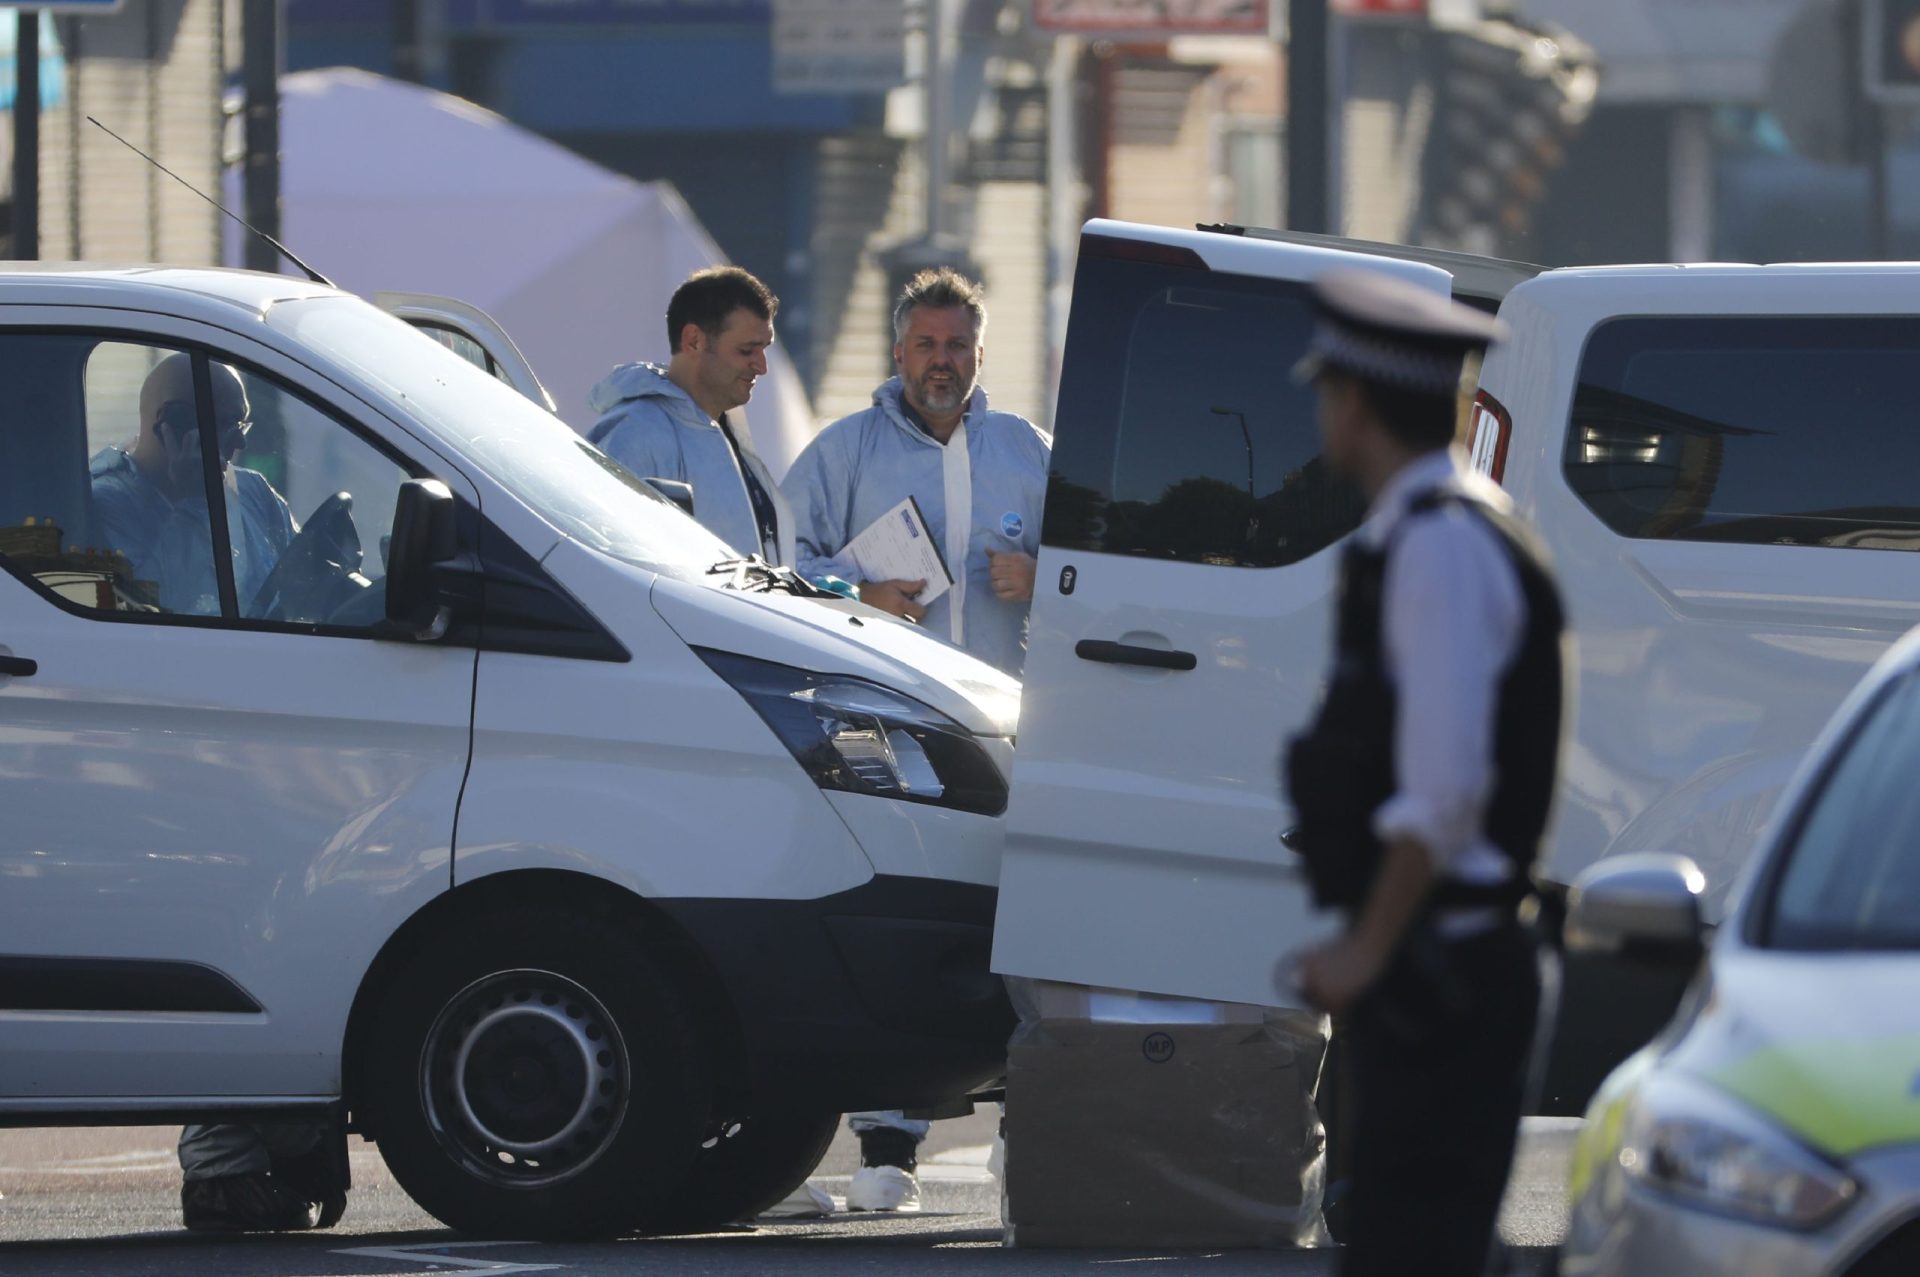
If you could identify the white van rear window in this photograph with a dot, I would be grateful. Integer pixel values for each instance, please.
(1181, 433)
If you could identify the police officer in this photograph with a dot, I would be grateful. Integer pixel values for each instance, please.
(1424, 786)
(979, 477)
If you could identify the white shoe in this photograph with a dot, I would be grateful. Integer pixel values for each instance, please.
(885, 1188)
(809, 1201)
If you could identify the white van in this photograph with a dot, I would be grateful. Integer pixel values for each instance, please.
(589, 873)
(1723, 460)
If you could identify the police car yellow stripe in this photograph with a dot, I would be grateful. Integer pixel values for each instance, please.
(1839, 1095)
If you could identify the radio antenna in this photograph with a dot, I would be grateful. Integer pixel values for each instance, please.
(278, 247)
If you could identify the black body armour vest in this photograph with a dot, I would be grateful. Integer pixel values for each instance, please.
(1342, 770)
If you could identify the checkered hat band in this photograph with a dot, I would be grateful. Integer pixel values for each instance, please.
(1374, 358)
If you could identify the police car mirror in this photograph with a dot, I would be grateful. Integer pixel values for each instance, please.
(1641, 905)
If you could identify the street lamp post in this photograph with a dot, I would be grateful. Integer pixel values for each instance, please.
(1307, 93)
(26, 135)
(1246, 436)
(260, 174)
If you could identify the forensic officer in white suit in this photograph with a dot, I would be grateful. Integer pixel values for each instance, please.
(979, 478)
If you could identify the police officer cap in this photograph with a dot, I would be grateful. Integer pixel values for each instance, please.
(1387, 330)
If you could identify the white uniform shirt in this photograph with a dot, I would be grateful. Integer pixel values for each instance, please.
(1452, 618)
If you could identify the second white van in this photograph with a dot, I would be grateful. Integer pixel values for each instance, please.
(1722, 461)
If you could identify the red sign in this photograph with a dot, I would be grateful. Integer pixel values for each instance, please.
(1416, 8)
(1154, 17)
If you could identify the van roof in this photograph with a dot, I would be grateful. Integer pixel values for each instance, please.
(1646, 269)
(169, 289)
(1486, 280)
(1592, 293)
(1239, 253)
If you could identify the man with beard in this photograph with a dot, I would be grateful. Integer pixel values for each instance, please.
(978, 476)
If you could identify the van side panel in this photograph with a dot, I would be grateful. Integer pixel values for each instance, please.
(650, 773)
(335, 804)
(1706, 666)
(209, 829)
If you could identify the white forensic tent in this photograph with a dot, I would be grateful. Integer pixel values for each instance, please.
(388, 186)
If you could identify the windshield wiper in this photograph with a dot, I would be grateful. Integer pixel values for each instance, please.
(754, 575)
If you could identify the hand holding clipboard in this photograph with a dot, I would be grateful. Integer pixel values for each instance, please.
(898, 547)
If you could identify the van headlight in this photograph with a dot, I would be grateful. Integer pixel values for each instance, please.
(1693, 1142)
(862, 738)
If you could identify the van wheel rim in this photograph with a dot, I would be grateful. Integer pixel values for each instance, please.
(525, 1078)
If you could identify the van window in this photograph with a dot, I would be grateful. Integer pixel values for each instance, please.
(464, 346)
(104, 488)
(1769, 431)
(88, 513)
(341, 492)
(1180, 432)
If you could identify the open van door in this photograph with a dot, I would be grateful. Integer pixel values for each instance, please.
(1477, 281)
(1181, 620)
(470, 333)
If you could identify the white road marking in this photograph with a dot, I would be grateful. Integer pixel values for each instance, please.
(138, 1162)
(965, 1155)
(928, 1173)
(123, 1164)
(107, 1160)
(436, 1256)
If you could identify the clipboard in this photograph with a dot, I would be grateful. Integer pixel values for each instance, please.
(898, 546)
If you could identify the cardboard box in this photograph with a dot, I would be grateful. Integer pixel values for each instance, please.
(1161, 1135)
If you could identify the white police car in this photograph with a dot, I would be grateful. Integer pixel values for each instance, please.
(1774, 1128)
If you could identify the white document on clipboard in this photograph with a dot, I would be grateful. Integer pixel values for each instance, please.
(898, 546)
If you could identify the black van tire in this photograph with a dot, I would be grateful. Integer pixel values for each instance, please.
(751, 1167)
(531, 1074)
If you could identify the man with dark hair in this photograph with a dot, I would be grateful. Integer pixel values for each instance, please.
(979, 477)
(1424, 786)
(672, 423)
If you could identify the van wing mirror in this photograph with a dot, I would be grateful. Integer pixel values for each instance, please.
(423, 537)
(681, 494)
(1645, 904)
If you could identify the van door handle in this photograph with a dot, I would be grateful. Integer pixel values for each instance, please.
(1108, 652)
(18, 666)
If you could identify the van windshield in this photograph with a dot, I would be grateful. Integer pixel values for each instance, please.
(530, 452)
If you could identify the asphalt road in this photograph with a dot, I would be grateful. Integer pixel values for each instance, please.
(105, 1203)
